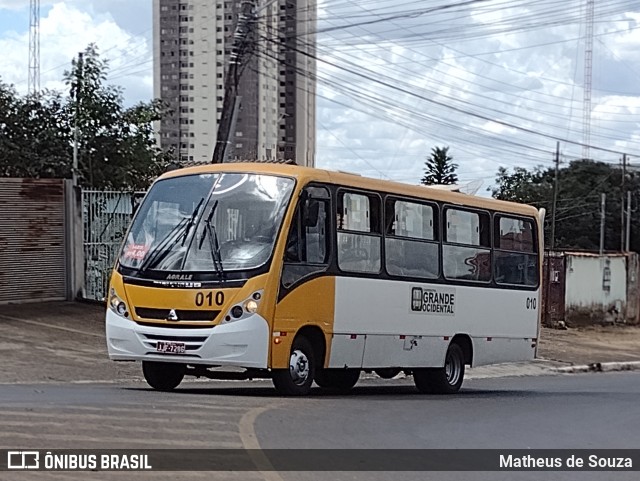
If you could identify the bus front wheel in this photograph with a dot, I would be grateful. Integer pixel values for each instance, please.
(444, 380)
(297, 380)
(163, 376)
(337, 379)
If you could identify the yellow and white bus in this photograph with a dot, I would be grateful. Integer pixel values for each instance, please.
(301, 275)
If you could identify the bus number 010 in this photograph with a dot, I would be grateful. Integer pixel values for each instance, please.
(209, 298)
(532, 302)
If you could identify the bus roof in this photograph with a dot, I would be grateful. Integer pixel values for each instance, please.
(308, 174)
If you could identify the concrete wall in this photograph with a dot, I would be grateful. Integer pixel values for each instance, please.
(596, 288)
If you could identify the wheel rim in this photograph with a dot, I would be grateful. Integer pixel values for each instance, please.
(453, 369)
(299, 367)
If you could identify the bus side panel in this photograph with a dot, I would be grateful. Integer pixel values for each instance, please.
(309, 304)
(392, 311)
(493, 350)
(404, 351)
(346, 351)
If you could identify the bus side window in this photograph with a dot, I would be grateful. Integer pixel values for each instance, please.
(315, 232)
(466, 250)
(516, 261)
(292, 249)
(359, 235)
(307, 249)
(411, 247)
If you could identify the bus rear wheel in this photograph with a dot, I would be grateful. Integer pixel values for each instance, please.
(444, 380)
(337, 379)
(163, 376)
(297, 380)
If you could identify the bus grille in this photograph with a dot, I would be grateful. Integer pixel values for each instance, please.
(192, 343)
(183, 314)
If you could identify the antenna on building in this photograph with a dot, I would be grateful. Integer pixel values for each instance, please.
(34, 47)
(588, 63)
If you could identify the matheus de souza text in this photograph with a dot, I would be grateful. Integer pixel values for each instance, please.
(593, 461)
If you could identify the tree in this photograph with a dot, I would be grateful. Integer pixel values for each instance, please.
(440, 168)
(524, 186)
(34, 135)
(117, 145)
(580, 186)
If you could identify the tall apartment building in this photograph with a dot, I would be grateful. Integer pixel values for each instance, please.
(275, 114)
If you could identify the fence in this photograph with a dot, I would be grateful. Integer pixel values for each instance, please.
(106, 216)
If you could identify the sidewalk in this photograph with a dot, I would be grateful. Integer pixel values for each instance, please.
(64, 342)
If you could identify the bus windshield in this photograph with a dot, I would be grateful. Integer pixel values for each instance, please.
(207, 222)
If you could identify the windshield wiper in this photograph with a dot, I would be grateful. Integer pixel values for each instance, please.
(178, 233)
(214, 245)
(192, 221)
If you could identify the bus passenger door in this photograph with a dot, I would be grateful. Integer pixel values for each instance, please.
(306, 292)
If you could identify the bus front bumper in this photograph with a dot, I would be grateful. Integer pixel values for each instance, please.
(242, 343)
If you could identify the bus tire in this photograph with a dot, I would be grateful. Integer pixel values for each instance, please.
(341, 380)
(297, 380)
(444, 380)
(163, 376)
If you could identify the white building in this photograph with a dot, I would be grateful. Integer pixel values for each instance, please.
(275, 115)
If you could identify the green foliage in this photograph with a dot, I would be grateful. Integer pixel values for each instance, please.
(117, 149)
(440, 168)
(580, 186)
(34, 135)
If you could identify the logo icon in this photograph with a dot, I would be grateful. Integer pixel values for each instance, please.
(416, 299)
(23, 460)
(173, 316)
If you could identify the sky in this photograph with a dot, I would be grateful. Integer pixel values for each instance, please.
(499, 82)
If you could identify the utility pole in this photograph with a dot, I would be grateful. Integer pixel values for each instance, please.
(78, 95)
(627, 236)
(555, 197)
(622, 182)
(244, 27)
(603, 198)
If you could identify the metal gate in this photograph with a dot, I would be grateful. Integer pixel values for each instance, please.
(106, 216)
(32, 240)
(553, 288)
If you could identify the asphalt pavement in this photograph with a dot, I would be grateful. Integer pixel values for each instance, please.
(65, 342)
(59, 390)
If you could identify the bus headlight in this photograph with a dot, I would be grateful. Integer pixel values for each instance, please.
(251, 306)
(245, 308)
(117, 305)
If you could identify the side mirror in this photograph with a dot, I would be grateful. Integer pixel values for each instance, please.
(310, 213)
(136, 200)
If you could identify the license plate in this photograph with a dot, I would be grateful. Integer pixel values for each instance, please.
(167, 347)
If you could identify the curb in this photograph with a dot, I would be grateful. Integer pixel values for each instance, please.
(599, 367)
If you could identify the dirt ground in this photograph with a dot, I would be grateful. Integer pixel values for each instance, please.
(591, 344)
(64, 341)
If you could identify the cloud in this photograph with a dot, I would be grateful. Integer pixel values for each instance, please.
(452, 76)
(468, 79)
(65, 30)
(14, 4)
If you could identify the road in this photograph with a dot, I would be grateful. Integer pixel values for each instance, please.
(590, 411)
